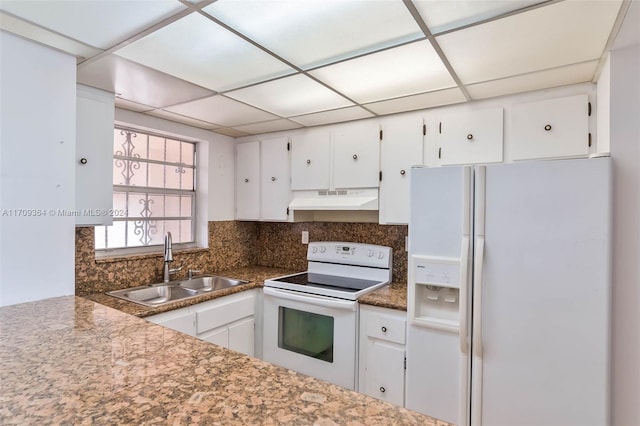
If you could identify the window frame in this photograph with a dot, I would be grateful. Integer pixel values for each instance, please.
(154, 249)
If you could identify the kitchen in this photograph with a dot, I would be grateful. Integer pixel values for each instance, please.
(228, 238)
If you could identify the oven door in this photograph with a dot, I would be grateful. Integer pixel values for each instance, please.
(314, 335)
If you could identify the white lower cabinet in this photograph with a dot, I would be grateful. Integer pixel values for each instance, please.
(382, 353)
(241, 335)
(218, 337)
(181, 320)
(228, 321)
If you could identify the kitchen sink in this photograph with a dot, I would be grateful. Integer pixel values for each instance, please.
(210, 283)
(160, 294)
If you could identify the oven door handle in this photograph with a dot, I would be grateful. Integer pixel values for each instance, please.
(326, 302)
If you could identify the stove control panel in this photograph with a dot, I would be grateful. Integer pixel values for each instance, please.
(350, 254)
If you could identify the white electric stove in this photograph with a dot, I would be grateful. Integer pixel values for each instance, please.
(311, 318)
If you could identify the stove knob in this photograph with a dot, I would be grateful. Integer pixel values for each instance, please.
(369, 252)
(314, 249)
(323, 249)
(381, 255)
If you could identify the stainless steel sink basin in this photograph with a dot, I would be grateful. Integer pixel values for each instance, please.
(160, 294)
(210, 283)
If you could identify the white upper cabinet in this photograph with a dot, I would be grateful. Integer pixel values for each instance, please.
(274, 179)
(356, 155)
(471, 137)
(551, 128)
(311, 160)
(263, 180)
(248, 181)
(402, 147)
(95, 111)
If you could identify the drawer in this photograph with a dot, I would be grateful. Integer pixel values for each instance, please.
(225, 312)
(387, 328)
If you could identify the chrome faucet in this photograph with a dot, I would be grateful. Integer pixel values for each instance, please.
(168, 258)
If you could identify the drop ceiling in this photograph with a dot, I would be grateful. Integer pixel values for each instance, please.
(240, 67)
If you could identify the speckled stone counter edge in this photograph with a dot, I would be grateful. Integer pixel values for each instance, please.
(83, 363)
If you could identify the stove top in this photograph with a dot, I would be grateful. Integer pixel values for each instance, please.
(340, 270)
(346, 284)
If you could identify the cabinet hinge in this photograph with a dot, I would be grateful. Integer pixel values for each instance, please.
(589, 110)
(440, 127)
(405, 362)
(424, 129)
(440, 152)
(380, 134)
(589, 140)
(288, 146)
(380, 176)
(287, 211)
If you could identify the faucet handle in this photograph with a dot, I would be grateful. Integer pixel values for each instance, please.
(193, 271)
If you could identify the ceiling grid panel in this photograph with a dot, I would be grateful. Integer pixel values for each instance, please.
(241, 67)
(423, 26)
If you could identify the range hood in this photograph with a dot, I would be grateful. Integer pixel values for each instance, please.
(340, 199)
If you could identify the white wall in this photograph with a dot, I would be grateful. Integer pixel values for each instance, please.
(625, 150)
(603, 112)
(222, 181)
(37, 169)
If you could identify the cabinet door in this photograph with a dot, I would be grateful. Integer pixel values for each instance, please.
(242, 336)
(311, 160)
(550, 129)
(225, 310)
(218, 337)
(356, 155)
(471, 137)
(402, 147)
(248, 181)
(179, 320)
(275, 179)
(384, 366)
(95, 111)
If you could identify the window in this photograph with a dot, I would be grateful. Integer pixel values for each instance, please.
(153, 191)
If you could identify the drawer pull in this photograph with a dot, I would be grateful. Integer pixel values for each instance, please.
(384, 329)
(547, 127)
(273, 179)
(308, 161)
(355, 156)
(402, 172)
(470, 137)
(382, 389)
(246, 180)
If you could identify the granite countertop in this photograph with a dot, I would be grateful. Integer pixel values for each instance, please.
(393, 296)
(69, 360)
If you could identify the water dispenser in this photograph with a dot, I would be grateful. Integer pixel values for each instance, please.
(434, 292)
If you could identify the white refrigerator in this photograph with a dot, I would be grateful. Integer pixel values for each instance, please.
(509, 293)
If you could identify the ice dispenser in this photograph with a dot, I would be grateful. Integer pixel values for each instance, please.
(434, 292)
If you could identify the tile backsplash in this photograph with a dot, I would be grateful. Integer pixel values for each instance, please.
(279, 244)
(232, 244)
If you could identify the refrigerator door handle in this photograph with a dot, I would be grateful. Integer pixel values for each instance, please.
(477, 297)
(464, 287)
